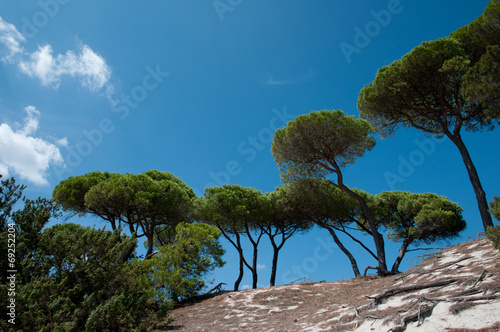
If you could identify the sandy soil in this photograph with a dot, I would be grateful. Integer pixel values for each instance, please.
(467, 298)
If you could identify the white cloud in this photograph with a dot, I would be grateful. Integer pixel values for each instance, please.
(11, 38)
(261, 266)
(23, 154)
(30, 122)
(62, 142)
(86, 65)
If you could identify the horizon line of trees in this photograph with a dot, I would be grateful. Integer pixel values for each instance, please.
(99, 277)
(242, 213)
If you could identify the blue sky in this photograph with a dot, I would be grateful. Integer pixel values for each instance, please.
(198, 88)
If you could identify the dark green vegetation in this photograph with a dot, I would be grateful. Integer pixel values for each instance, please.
(74, 278)
(149, 204)
(178, 268)
(246, 212)
(407, 218)
(494, 232)
(318, 144)
(441, 87)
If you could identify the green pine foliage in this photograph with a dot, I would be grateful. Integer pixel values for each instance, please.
(177, 269)
(70, 277)
(83, 280)
(493, 233)
(442, 88)
(495, 207)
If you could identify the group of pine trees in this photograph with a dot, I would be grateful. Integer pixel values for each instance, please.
(72, 277)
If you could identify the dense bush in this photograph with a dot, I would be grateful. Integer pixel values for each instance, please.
(85, 282)
(177, 269)
(70, 277)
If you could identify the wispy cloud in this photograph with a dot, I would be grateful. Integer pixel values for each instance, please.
(261, 266)
(11, 38)
(85, 65)
(62, 141)
(23, 154)
(270, 80)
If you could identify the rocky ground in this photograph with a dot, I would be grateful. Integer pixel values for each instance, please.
(456, 289)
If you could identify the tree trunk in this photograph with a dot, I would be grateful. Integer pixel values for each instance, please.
(272, 281)
(358, 241)
(242, 267)
(238, 247)
(132, 231)
(150, 246)
(402, 252)
(255, 244)
(482, 203)
(378, 239)
(276, 250)
(254, 268)
(339, 244)
(242, 271)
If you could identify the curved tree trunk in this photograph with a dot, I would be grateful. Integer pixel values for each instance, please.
(242, 271)
(242, 260)
(378, 239)
(482, 203)
(357, 241)
(354, 264)
(238, 247)
(402, 252)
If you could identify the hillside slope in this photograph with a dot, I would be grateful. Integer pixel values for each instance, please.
(456, 289)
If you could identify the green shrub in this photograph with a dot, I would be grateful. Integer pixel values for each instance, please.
(493, 235)
(495, 207)
(178, 268)
(86, 282)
